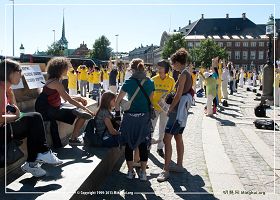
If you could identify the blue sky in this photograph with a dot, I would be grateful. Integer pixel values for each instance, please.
(135, 24)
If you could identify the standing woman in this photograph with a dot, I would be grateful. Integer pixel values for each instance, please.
(136, 125)
(241, 78)
(175, 125)
(22, 125)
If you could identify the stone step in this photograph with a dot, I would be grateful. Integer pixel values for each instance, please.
(84, 169)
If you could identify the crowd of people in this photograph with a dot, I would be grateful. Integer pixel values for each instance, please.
(134, 100)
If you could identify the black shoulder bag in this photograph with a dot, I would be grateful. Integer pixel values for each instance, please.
(151, 107)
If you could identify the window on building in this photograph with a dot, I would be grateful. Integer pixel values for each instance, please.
(237, 44)
(245, 44)
(261, 44)
(229, 44)
(197, 44)
(261, 55)
(237, 55)
(190, 44)
(220, 44)
(253, 44)
(229, 55)
(253, 55)
(245, 55)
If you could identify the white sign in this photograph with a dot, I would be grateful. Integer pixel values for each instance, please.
(33, 76)
(18, 86)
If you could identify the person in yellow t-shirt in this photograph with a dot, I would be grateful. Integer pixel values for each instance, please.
(72, 81)
(194, 79)
(219, 81)
(164, 84)
(105, 73)
(82, 78)
(94, 78)
(276, 87)
(121, 75)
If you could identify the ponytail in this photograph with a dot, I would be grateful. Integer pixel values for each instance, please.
(140, 66)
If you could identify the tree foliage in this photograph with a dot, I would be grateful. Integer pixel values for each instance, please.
(174, 43)
(207, 50)
(55, 50)
(101, 49)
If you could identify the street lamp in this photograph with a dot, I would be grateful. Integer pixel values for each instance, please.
(21, 49)
(13, 27)
(268, 70)
(117, 46)
(53, 36)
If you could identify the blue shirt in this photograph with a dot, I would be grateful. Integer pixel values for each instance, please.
(140, 103)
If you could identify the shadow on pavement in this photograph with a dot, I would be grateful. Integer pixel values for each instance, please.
(223, 122)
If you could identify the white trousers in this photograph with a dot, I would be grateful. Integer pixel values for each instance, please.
(72, 92)
(113, 89)
(106, 85)
(224, 89)
(162, 123)
(277, 98)
(209, 104)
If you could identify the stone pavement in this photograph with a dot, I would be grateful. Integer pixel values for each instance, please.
(192, 184)
(225, 158)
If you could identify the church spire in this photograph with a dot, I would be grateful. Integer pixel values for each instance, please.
(63, 27)
(63, 41)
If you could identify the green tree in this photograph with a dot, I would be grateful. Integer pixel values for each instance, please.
(174, 43)
(207, 50)
(55, 50)
(101, 49)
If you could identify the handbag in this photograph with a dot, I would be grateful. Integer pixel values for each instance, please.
(151, 107)
(125, 105)
(13, 152)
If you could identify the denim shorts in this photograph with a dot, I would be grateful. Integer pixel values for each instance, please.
(172, 125)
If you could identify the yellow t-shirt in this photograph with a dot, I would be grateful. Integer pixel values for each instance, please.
(96, 77)
(162, 87)
(194, 78)
(83, 73)
(72, 79)
(120, 76)
(277, 77)
(105, 75)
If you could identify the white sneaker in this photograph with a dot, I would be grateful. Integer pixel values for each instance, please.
(130, 175)
(48, 158)
(163, 176)
(142, 176)
(36, 171)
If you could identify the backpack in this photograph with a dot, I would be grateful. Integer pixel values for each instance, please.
(90, 136)
(267, 124)
(225, 103)
(260, 111)
(200, 91)
(199, 94)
